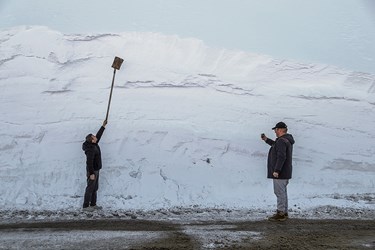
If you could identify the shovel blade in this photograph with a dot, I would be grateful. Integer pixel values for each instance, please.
(117, 63)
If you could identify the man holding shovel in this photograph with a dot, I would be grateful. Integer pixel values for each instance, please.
(93, 154)
(93, 166)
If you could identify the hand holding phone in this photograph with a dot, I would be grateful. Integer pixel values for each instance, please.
(263, 136)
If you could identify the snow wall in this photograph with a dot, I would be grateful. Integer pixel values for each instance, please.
(184, 126)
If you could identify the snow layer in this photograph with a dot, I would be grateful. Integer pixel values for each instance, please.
(184, 127)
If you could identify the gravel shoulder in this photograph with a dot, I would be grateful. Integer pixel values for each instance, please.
(163, 234)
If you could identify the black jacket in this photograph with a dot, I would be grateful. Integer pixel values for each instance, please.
(93, 154)
(280, 157)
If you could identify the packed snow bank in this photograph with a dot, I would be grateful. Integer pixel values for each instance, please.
(184, 127)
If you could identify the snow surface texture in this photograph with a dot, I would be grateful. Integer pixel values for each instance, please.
(184, 126)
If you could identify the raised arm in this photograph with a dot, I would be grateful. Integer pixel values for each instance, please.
(101, 130)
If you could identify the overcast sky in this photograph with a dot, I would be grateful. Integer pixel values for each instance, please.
(337, 32)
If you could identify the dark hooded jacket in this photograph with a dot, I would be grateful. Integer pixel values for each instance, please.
(280, 156)
(93, 154)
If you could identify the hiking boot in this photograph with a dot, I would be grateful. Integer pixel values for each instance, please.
(88, 209)
(96, 207)
(286, 214)
(279, 216)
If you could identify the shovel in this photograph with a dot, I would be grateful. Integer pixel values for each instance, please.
(116, 66)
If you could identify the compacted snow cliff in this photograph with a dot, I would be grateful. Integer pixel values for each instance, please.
(184, 126)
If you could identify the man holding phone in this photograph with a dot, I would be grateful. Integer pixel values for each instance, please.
(279, 166)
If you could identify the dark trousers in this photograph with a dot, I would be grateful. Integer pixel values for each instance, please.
(91, 190)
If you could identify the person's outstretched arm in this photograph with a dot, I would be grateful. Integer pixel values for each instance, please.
(267, 140)
(101, 130)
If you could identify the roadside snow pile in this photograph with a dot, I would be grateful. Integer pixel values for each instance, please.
(184, 127)
(183, 214)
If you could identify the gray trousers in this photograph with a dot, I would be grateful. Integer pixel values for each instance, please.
(280, 190)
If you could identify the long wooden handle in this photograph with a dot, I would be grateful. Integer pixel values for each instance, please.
(110, 95)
